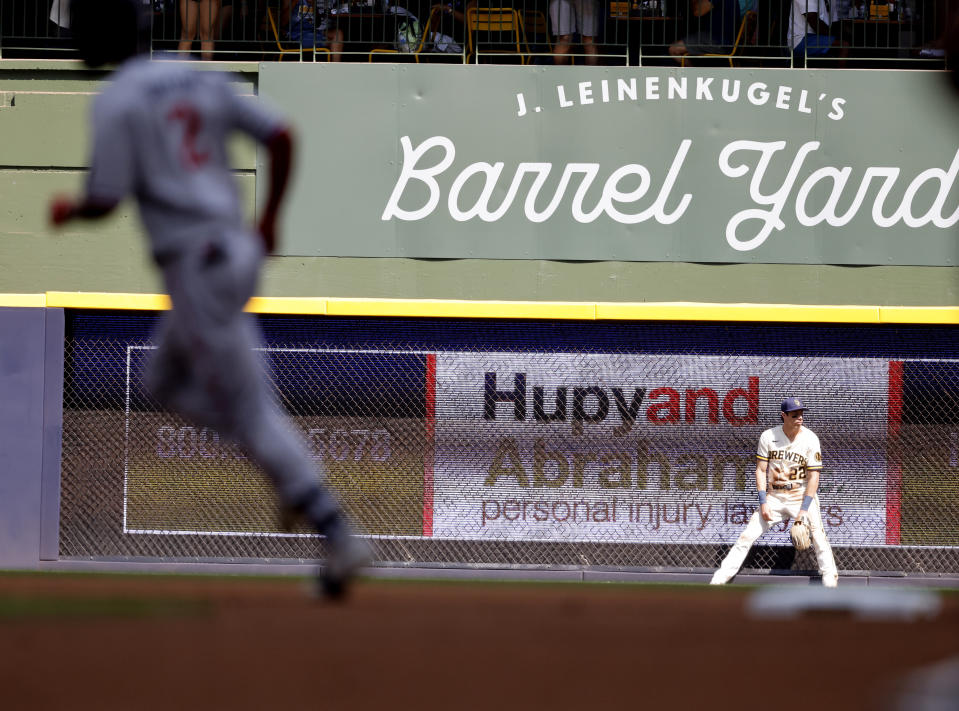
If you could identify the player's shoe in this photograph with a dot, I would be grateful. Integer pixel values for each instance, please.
(346, 558)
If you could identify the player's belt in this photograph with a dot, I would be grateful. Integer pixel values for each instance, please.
(784, 487)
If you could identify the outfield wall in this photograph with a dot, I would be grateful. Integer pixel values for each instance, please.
(463, 443)
(31, 396)
(45, 107)
(887, 274)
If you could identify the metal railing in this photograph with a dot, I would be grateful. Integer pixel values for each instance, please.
(866, 33)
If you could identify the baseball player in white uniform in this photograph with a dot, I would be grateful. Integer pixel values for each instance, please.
(159, 133)
(788, 464)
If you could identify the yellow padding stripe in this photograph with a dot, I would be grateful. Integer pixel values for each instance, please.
(461, 309)
(286, 305)
(787, 313)
(97, 300)
(21, 300)
(919, 314)
(550, 310)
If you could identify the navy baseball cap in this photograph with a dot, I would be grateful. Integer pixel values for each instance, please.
(792, 403)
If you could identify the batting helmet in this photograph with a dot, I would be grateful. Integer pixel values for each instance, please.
(109, 31)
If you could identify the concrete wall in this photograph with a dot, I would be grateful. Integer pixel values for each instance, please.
(31, 385)
(43, 108)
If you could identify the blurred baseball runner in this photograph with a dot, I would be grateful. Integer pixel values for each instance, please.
(159, 133)
(789, 461)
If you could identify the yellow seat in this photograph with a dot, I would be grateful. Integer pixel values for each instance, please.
(420, 45)
(285, 50)
(746, 29)
(619, 9)
(502, 20)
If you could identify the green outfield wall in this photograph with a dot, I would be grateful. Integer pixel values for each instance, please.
(351, 121)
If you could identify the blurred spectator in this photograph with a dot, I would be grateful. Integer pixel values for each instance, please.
(308, 22)
(840, 12)
(809, 33)
(935, 18)
(198, 16)
(449, 15)
(570, 17)
(59, 18)
(843, 9)
(225, 20)
(448, 26)
(447, 32)
(713, 28)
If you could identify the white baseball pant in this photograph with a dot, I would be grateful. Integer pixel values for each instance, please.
(205, 367)
(779, 510)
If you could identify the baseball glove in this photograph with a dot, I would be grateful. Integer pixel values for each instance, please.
(800, 534)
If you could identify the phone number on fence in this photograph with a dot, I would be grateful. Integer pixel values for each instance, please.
(329, 444)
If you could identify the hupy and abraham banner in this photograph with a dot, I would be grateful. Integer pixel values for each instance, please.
(632, 164)
(644, 448)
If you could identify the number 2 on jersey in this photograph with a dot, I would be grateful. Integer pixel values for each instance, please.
(191, 156)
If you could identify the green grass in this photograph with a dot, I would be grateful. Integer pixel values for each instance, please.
(80, 606)
(67, 607)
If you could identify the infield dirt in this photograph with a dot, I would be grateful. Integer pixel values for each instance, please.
(159, 642)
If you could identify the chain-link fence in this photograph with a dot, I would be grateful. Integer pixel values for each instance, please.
(870, 33)
(467, 443)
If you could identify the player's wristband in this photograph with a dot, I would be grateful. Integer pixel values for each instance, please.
(762, 497)
(806, 503)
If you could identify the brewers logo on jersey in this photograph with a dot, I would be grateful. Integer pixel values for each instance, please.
(789, 461)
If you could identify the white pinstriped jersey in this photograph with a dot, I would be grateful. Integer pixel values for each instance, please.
(789, 461)
(159, 132)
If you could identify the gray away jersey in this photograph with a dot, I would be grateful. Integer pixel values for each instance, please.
(159, 132)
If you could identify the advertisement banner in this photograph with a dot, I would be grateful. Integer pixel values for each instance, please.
(571, 447)
(631, 164)
(645, 448)
(362, 418)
